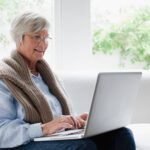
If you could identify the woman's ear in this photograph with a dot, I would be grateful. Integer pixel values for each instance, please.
(19, 46)
(20, 43)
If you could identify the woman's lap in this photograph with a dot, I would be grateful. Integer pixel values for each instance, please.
(83, 144)
(121, 139)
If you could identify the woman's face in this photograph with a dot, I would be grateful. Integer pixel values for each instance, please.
(33, 46)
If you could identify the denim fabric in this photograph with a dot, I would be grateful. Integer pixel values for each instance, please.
(85, 144)
(121, 139)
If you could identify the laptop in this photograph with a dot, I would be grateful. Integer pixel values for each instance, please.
(111, 108)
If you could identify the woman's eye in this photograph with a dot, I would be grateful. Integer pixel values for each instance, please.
(37, 37)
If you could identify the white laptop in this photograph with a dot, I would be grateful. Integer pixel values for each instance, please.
(112, 106)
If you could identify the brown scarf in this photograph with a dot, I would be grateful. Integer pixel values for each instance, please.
(16, 75)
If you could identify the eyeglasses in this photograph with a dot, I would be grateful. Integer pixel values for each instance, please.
(38, 38)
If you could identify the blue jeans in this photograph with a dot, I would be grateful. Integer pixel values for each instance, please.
(120, 139)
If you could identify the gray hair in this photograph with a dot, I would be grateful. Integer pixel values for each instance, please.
(27, 23)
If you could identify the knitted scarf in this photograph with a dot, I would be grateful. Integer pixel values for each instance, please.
(16, 75)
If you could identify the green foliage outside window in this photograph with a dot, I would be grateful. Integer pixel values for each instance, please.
(131, 38)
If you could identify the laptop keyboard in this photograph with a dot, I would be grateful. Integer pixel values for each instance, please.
(69, 132)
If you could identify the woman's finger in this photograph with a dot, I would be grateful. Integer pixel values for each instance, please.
(74, 121)
(57, 127)
(81, 121)
(68, 119)
(84, 116)
(78, 123)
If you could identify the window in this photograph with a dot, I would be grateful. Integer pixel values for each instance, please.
(121, 33)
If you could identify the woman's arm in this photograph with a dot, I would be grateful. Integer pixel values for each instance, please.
(13, 130)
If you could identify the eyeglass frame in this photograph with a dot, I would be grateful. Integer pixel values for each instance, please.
(36, 36)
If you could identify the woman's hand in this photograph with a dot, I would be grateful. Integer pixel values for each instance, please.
(64, 122)
(81, 120)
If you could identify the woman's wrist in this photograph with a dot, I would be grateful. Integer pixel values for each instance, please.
(44, 129)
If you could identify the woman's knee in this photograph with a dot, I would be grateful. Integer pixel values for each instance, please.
(125, 137)
(125, 132)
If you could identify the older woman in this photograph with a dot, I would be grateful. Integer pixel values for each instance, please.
(32, 101)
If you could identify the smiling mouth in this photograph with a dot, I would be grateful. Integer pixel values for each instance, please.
(38, 51)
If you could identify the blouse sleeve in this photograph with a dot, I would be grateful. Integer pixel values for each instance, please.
(13, 130)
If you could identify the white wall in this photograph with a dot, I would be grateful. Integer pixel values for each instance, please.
(72, 34)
